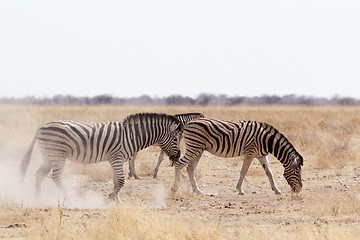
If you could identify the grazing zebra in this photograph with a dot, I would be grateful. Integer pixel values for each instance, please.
(236, 138)
(115, 142)
(183, 118)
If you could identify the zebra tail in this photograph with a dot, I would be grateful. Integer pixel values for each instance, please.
(26, 159)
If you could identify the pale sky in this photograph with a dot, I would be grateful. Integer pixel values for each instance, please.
(161, 48)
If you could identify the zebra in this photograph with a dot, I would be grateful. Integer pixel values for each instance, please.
(88, 143)
(183, 118)
(235, 138)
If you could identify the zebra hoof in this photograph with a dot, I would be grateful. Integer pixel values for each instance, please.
(241, 192)
(112, 199)
(132, 175)
(199, 192)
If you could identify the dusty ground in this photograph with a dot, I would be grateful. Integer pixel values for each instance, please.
(327, 208)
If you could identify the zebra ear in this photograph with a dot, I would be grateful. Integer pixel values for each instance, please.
(301, 162)
(173, 127)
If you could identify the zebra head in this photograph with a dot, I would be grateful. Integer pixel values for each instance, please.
(292, 172)
(169, 142)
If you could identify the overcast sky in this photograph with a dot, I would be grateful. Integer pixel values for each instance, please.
(161, 48)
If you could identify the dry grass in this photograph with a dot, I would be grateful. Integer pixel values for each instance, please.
(136, 223)
(325, 133)
(327, 208)
(121, 222)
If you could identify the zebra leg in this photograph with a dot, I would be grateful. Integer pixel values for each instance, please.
(244, 169)
(181, 163)
(119, 178)
(41, 173)
(132, 167)
(116, 186)
(175, 187)
(58, 169)
(265, 164)
(191, 171)
(161, 157)
(178, 166)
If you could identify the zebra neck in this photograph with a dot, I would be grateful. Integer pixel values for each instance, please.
(280, 147)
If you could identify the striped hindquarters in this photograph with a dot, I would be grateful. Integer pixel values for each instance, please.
(80, 141)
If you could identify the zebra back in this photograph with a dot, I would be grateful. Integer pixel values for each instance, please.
(234, 138)
(140, 116)
(87, 142)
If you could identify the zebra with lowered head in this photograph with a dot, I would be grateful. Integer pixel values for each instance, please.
(114, 142)
(183, 118)
(235, 138)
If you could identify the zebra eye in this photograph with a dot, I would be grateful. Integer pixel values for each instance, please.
(294, 164)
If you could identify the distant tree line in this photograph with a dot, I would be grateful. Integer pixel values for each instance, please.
(203, 100)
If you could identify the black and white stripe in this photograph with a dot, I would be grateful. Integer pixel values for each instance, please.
(235, 138)
(183, 118)
(114, 142)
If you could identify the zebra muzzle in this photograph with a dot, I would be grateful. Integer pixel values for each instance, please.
(296, 189)
(174, 158)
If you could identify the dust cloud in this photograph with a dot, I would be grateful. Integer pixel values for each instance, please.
(159, 195)
(14, 192)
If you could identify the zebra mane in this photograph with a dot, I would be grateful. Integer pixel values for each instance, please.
(276, 131)
(189, 114)
(142, 116)
(287, 140)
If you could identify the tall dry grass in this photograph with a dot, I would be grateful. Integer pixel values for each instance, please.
(326, 136)
(136, 223)
(120, 222)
